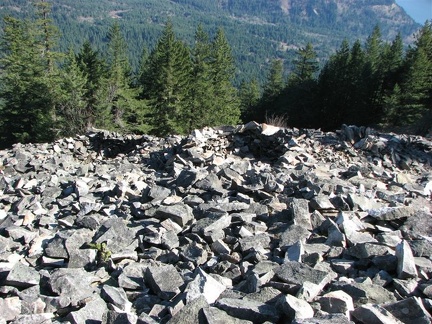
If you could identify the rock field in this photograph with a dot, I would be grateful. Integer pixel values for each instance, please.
(246, 224)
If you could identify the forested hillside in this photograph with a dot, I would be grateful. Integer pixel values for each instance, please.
(179, 85)
(257, 30)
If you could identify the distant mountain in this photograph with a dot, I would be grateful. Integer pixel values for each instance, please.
(258, 30)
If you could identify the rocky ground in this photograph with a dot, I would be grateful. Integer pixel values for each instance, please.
(246, 224)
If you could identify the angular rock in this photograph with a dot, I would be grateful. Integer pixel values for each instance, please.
(192, 312)
(22, 276)
(214, 315)
(93, 311)
(294, 308)
(117, 297)
(248, 310)
(179, 213)
(10, 308)
(164, 281)
(372, 313)
(406, 267)
(337, 302)
(203, 285)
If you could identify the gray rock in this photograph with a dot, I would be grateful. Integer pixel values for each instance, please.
(256, 242)
(372, 313)
(179, 213)
(295, 308)
(93, 311)
(363, 293)
(294, 234)
(248, 310)
(204, 285)
(215, 315)
(72, 284)
(164, 281)
(406, 267)
(298, 273)
(337, 302)
(410, 310)
(22, 276)
(116, 317)
(117, 297)
(11, 308)
(192, 312)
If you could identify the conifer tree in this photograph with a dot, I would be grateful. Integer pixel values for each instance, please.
(300, 102)
(94, 69)
(71, 106)
(167, 84)
(121, 109)
(275, 81)
(417, 83)
(305, 65)
(225, 94)
(249, 95)
(27, 100)
(201, 106)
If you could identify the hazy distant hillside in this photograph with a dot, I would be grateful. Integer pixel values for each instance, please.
(258, 30)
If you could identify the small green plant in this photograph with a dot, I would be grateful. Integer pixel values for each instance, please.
(104, 254)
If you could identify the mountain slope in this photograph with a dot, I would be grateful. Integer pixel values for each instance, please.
(258, 30)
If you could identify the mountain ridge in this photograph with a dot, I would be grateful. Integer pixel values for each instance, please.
(258, 30)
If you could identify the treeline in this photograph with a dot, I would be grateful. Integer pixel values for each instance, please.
(376, 83)
(45, 94)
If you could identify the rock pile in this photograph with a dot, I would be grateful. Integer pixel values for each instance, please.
(247, 224)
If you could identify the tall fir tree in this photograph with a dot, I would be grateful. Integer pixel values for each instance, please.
(227, 110)
(417, 83)
(94, 68)
(27, 107)
(300, 93)
(121, 109)
(72, 105)
(249, 94)
(201, 107)
(333, 88)
(167, 84)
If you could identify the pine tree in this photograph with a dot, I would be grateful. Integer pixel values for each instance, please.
(275, 81)
(417, 83)
(201, 106)
(167, 84)
(227, 110)
(305, 65)
(333, 88)
(249, 95)
(94, 69)
(71, 106)
(121, 109)
(300, 102)
(27, 107)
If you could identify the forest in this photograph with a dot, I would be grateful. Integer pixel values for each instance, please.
(46, 93)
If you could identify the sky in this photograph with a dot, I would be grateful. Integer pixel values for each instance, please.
(419, 10)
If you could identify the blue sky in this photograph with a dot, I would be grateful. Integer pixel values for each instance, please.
(420, 10)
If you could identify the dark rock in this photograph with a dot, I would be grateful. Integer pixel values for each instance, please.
(249, 310)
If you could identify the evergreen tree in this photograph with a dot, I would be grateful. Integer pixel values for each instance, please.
(227, 110)
(249, 95)
(417, 83)
(27, 101)
(334, 89)
(201, 107)
(94, 69)
(71, 106)
(300, 103)
(121, 109)
(305, 65)
(167, 84)
(275, 81)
